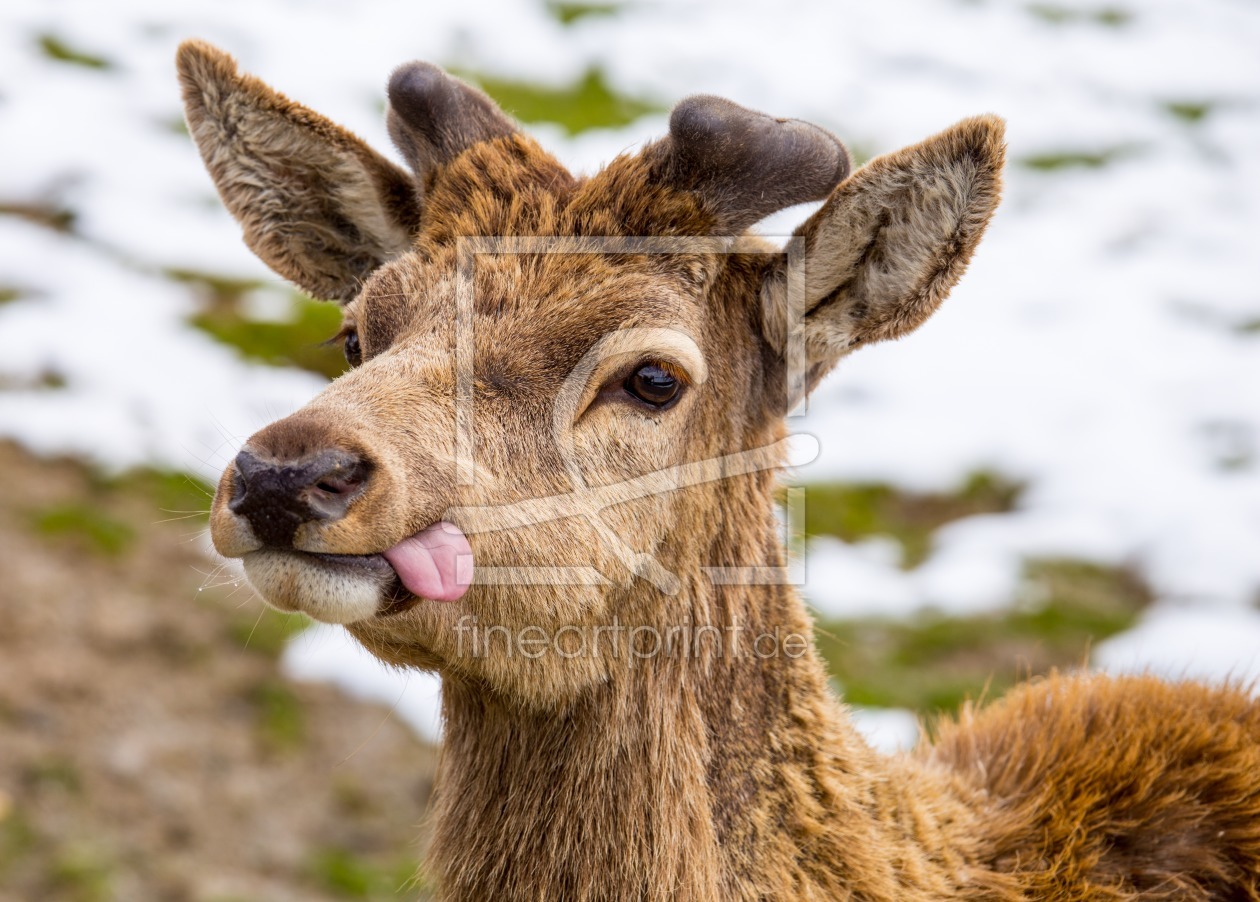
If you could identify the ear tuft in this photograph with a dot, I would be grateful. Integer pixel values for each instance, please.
(315, 203)
(200, 64)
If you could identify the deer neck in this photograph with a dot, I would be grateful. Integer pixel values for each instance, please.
(717, 773)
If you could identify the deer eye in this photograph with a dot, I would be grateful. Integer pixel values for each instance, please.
(354, 353)
(654, 385)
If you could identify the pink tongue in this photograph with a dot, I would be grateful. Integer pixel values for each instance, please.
(436, 563)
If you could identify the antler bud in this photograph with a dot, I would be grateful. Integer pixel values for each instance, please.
(746, 165)
(433, 117)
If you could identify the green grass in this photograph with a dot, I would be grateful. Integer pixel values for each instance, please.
(267, 632)
(87, 524)
(214, 289)
(44, 380)
(57, 49)
(1190, 112)
(855, 511)
(114, 506)
(280, 721)
(1074, 159)
(57, 773)
(567, 13)
(48, 215)
(82, 873)
(586, 104)
(18, 838)
(71, 871)
(8, 294)
(171, 493)
(351, 876)
(932, 663)
(300, 339)
(1055, 14)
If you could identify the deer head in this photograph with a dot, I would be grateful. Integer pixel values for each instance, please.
(568, 393)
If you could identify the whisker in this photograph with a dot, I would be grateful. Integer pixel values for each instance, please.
(253, 628)
(187, 516)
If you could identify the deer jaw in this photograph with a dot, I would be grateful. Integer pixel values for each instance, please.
(499, 390)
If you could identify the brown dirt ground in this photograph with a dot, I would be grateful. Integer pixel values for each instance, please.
(146, 752)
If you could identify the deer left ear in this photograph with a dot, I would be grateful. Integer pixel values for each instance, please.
(886, 248)
(315, 203)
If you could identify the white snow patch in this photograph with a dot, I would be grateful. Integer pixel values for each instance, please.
(1203, 642)
(324, 653)
(888, 730)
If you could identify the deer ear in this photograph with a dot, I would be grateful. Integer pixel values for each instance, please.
(886, 248)
(316, 204)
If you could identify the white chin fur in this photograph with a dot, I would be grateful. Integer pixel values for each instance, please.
(287, 582)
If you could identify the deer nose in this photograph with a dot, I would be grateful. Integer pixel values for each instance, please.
(278, 496)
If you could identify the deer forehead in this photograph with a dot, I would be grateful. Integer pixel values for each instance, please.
(535, 316)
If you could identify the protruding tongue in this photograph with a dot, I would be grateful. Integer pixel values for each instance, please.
(436, 563)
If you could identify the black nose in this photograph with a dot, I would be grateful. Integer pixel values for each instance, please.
(278, 496)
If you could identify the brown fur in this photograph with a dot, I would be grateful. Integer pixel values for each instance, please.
(714, 774)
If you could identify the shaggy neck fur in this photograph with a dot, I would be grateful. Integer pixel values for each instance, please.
(695, 776)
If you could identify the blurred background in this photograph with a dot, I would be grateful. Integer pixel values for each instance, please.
(1061, 469)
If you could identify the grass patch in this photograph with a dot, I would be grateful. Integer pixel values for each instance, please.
(568, 13)
(300, 340)
(44, 380)
(1248, 327)
(57, 49)
(1054, 14)
(110, 510)
(588, 103)
(855, 511)
(300, 343)
(54, 772)
(933, 663)
(267, 633)
(48, 215)
(281, 722)
(87, 524)
(18, 838)
(1190, 112)
(8, 294)
(350, 876)
(214, 289)
(174, 495)
(1073, 159)
(82, 873)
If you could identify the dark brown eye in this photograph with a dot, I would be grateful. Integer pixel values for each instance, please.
(354, 354)
(653, 384)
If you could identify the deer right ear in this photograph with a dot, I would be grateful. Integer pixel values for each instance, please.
(885, 249)
(316, 204)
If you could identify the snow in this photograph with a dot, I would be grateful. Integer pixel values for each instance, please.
(1204, 642)
(326, 654)
(1093, 351)
(886, 729)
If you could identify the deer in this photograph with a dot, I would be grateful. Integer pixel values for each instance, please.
(550, 476)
